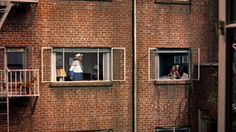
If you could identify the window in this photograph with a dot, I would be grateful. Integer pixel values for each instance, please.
(231, 17)
(94, 64)
(16, 58)
(172, 1)
(203, 120)
(173, 64)
(230, 79)
(19, 62)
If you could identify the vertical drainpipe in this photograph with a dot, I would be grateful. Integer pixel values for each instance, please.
(134, 68)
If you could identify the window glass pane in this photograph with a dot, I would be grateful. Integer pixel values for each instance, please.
(232, 42)
(86, 64)
(59, 60)
(15, 60)
(105, 66)
(173, 66)
(90, 66)
(232, 11)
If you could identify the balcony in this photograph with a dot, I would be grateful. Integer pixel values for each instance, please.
(19, 83)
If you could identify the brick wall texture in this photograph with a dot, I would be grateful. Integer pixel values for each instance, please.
(85, 23)
(172, 26)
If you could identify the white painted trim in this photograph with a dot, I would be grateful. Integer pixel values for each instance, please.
(43, 48)
(5, 57)
(98, 64)
(112, 70)
(198, 64)
(149, 65)
(233, 25)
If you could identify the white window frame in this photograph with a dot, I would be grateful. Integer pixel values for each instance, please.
(12, 49)
(174, 50)
(19, 50)
(149, 65)
(112, 67)
(63, 55)
(108, 72)
(42, 60)
(198, 64)
(5, 58)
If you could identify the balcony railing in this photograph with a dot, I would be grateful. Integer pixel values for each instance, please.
(20, 82)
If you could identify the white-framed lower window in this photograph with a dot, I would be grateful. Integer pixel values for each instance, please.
(96, 64)
(16, 58)
(174, 64)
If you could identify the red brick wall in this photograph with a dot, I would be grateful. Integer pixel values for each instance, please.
(206, 92)
(69, 23)
(64, 23)
(171, 26)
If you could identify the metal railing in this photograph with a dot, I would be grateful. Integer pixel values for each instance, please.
(19, 82)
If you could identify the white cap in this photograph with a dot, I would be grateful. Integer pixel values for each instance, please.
(78, 55)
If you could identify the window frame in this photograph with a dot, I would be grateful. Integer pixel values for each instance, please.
(24, 52)
(4, 58)
(110, 64)
(156, 69)
(83, 51)
(42, 63)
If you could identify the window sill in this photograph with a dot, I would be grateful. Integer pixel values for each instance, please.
(172, 82)
(82, 84)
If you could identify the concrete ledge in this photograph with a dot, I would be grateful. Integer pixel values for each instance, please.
(81, 84)
(172, 82)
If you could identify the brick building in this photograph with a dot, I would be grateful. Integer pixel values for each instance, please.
(40, 39)
(227, 54)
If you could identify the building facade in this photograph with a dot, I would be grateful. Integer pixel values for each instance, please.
(226, 86)
(175, 48)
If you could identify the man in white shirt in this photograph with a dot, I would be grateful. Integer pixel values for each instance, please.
(76, 69)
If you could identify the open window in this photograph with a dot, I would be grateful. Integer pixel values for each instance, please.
(174, 64)
(94, 65)
(118, 64)
(46, 64)
(17, 58)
